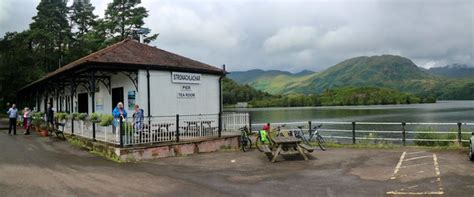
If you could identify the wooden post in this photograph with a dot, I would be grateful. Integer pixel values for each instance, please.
(353, 132)
(404, 133)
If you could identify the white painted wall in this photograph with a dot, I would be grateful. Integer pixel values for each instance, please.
(164, 101)
(163, 95)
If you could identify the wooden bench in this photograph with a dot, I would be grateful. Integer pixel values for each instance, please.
(59, 133)
(306, 147)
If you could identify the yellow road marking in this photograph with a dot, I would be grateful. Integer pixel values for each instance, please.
(397, 168)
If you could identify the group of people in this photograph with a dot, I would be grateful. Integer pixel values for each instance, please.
(119, 112)
(13, 115)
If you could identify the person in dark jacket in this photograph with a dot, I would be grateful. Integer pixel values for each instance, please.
(138, 117)
(50, 115)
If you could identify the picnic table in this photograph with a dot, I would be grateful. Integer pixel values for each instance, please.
(290, 143)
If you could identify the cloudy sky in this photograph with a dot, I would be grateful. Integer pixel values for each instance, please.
(294, 35)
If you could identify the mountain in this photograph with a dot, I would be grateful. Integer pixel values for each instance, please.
(271, 81)
(384, 71)
(453, 70)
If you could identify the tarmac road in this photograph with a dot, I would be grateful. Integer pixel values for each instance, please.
(36, 166)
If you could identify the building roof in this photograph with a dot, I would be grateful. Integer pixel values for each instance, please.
(132, 54)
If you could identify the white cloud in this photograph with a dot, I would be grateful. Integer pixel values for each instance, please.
(298, 34)
(290, 39)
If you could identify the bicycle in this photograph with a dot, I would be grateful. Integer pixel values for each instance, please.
(264, 138)
(245, 141)
(313, 133)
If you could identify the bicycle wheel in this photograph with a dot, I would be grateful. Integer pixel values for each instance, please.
(321, 142)
(249, 144)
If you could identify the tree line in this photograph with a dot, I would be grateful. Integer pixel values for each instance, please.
(60, 34)
(233, 93)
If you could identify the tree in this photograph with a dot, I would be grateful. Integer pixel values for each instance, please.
(50, 34)
(82, 17)
(88, 37)
(122, 16)
(15, 63)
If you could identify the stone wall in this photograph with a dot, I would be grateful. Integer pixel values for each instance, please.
(156, 151)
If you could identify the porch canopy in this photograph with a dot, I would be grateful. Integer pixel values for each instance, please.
(126, 57)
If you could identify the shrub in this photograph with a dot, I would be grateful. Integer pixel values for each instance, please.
(95, 118)
(82, 116)
(72, 116)
(106, 120)
(439, 136)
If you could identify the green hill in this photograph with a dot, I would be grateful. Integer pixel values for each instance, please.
(385, 71)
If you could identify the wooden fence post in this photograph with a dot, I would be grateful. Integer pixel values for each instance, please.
(309, 127)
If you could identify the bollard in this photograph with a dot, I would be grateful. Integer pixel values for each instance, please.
(404, 138)
(459, 133)
(177, 127)
(353, 132)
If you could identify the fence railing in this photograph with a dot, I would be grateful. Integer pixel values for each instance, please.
(233, 121)
(159, 129)
(396, 132)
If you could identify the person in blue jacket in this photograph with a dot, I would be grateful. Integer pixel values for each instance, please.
(119, 113)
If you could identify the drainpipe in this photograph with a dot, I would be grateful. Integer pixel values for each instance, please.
(220, 100)
(148, 91)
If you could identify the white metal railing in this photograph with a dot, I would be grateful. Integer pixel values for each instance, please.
(233, 121)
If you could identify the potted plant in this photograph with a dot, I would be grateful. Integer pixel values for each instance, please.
(95, 118)
(106, 120)
(37, 120)
(44, 130)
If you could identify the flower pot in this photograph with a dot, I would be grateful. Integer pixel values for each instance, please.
(44, 133)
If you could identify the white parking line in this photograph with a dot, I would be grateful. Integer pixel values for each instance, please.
(418, 152)
(397, 168)
(420, 157)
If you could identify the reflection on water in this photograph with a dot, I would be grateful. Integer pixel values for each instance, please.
(443, 111)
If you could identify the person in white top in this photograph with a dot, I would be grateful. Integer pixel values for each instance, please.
(12, 115)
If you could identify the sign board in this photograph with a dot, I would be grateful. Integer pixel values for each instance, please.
(186, 95)
(188, 78)
(186, 92)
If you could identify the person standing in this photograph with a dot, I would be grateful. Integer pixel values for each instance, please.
(50, 115)
(12, 115)
(119, 113)
(27, 120)
(138, 117)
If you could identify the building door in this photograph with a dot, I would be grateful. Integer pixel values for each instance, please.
(117, 96)
(82, 103)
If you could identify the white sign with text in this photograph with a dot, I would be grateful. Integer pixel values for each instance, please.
(188, 78)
